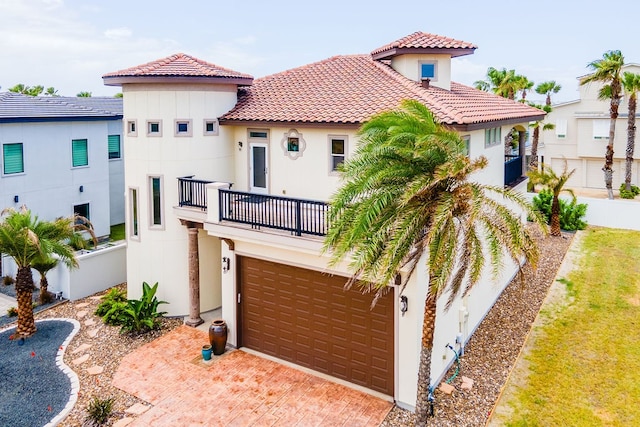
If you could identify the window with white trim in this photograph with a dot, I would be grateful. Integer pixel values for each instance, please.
(83, 211)
(182, 128)
(601, 128)
(467, 145)
(12, 158)
(79, 153)
(492, 137)
(132, 128)
(210, 127)
(134, 213)
(154, 127)
(337, 150)
(561, 128)
(155, 202)
(113, 142)
(428, 70)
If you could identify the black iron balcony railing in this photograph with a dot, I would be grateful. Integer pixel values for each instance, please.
(192, 192)
(298, 216)
(512, 168)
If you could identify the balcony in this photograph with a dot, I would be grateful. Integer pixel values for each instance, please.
(297, 216)
(512, 170)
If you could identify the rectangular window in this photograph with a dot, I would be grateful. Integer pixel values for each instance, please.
(154, 127)
(12, 157)
(467, 145)
(132, 128)
(155, 190)
(257, 134)
(601, 128)
(79, 153)
(133, 200)
(114, 146)
(210, 127)
(492, 137)
(183, 127)
(427, 70)
(561, 128)
(338, 147)
(81, 210)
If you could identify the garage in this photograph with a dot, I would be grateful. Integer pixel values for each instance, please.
(305, 317)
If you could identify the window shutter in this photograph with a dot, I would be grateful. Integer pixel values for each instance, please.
(561, 128)
(114, 146)
(13, 160)
(80, 156)
(601, 128)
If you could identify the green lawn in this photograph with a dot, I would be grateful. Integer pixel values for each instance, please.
(584, 367)
(117, 232)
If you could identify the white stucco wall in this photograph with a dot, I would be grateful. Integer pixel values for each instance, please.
(50, 185)
(160, 253)
(409, 66)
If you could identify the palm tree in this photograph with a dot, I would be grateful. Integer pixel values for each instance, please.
(406, 194)
(43, 266)
(607, 71)
(533, 162)
(547, 88)
(548, 178)
(523, 84)
(631, 84)
(501, 82)
(84, 94)
(26, 239)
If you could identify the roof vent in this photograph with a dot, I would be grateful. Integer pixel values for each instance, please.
(425, 83)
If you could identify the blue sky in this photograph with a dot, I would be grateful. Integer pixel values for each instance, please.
(70, 44)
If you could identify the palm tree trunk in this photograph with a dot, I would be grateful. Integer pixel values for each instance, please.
(608, 157)
(24, 291)
(631, 140)
(45, 297)
(423, 405)
(555, 216)
(533, 163)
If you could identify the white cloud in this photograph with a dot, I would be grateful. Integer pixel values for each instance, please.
(120, 33)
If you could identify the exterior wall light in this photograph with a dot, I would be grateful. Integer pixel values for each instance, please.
(226, 262)
(81, 189)
(404, 304)
(16, 199)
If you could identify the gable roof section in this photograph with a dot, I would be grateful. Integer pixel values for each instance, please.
(420, 42)
(348, 90)
(17, 108)
(177, 68)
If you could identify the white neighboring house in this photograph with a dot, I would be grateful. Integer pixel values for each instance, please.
(581, 135)
(62, 155)
(227, 180)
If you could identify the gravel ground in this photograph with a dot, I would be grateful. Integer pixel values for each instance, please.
(493, 349)
(33, 388)
(107, 348)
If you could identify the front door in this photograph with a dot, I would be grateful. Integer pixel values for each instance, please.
(258, 168)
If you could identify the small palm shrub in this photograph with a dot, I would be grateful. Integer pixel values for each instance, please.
(571, 212)
(99, 410)
(8, 280)
(142, 315)
(629, 194)
(112, 306)
(12, 312)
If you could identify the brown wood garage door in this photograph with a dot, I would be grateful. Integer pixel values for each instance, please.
(306, 317)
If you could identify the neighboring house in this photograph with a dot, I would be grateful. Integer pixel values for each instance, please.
(227, 181)
(62, 155)
(581, 135)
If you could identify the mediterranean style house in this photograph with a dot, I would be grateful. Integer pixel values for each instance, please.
(581, 135)
(62, 155)
(227, 180)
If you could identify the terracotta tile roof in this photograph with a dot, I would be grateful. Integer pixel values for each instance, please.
(178, 65)
(350, 89)
(17, 108)
(424, 42)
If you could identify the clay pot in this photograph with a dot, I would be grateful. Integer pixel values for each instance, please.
(206, 352)
(218, 336)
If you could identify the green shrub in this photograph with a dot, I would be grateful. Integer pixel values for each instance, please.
(12, 312)
(142, 315)
(99, 410)
(629, 194)
(112, 306)
(8, 280)
(571, 212)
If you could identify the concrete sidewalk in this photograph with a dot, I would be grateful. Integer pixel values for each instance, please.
(6, 302)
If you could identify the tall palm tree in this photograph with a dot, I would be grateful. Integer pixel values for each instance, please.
(547, 88)
(406, 194)
(523, 84)
(631, 85)
(535, 139)
(26, 239)
(608, 71)
(43, 266)
(501, 82)
(554, 182)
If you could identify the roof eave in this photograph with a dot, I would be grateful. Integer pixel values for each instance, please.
(60, 119)
(120, 80)
(277, 123)
(454, 52)
(495, 123)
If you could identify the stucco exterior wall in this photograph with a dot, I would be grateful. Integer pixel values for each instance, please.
(50, 185)
(116, 177)
(408, 66)
(160, 253)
